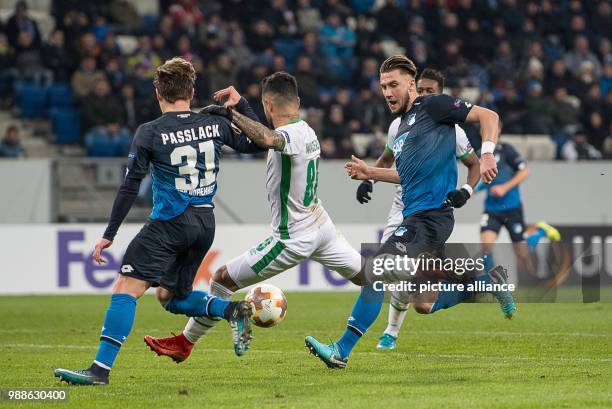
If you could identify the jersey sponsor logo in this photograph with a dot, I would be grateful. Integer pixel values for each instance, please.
(398, 144)
(188, 135)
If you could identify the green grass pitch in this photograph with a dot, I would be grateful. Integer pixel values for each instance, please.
(549, 356)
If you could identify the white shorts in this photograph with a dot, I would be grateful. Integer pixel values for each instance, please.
(395, 217)
(273, 256)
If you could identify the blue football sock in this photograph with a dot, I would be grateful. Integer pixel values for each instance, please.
(489, 262)
(365, 311)
(447, 299)
(117, 326)
(198, 304)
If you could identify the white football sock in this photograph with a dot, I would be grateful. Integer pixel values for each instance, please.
(197, 327)
(397, 313)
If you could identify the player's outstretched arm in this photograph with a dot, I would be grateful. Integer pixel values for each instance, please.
(489, 129)
(518, 178)
(358, 169)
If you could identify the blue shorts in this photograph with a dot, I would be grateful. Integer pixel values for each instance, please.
(512, 220)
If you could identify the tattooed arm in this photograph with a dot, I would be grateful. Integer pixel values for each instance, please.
(258, 133)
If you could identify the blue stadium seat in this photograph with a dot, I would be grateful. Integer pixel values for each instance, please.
(59, 96)
(66, 124)
(32, 100)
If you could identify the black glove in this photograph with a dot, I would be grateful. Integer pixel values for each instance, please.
(217, 110)
(457, 198)
(363, 192)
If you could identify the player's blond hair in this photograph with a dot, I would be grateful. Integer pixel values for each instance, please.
(399, 62)
(174, 80)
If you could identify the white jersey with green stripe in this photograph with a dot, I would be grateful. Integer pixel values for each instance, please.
(463, 149)
(293, 177)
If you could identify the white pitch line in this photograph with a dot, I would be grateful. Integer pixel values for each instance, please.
(381, 354)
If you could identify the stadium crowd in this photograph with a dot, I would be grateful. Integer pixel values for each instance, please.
(545, 66)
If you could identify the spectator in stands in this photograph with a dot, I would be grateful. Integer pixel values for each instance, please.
(261, 38)
(581, 53)
(57, 57)
(84, 79)
(370, 110)
(605, 82)
(579, 148)
(597, 130)
(160, 47)
(307, 80)
(281, 18)
(113, 74)
(392, 21)
(135, 112)
(89, 46)
(308, 17)
(101, 108)
(222, 74)
(567, 110)
(124, 13)
(186, 15)
(11, 146)
(337, 39)
(110, 47)
(253, 96)
(20, 23)
(238, 51)
(503, 65)
(144, 56)
(8, 73)
(103, 115)
(28, 60)
(336, 129)
(559, 76)
(539, 115)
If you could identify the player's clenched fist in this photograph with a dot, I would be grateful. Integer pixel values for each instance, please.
(97, 253)
(357, 169)
(488, 167)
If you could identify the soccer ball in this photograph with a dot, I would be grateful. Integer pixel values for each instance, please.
(268, 303)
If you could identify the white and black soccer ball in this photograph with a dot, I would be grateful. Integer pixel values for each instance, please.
(268, 303)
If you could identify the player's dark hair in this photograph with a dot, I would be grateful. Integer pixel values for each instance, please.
(434, 75)
(175, 79)
(280, 84)
(399, 62)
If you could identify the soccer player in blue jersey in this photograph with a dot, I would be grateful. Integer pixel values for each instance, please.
(183, 148)
(424, 151)
(503, 207)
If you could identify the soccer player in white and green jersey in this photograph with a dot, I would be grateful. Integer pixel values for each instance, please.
(301, 228)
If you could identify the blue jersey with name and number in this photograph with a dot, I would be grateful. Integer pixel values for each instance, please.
(424, 151)
(183, 149)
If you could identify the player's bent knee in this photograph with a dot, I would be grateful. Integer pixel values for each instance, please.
(130, 285)
(163, 295)
(222, 277)
(357, 279)
(422, 308)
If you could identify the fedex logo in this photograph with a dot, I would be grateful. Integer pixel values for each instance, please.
(98, 276)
